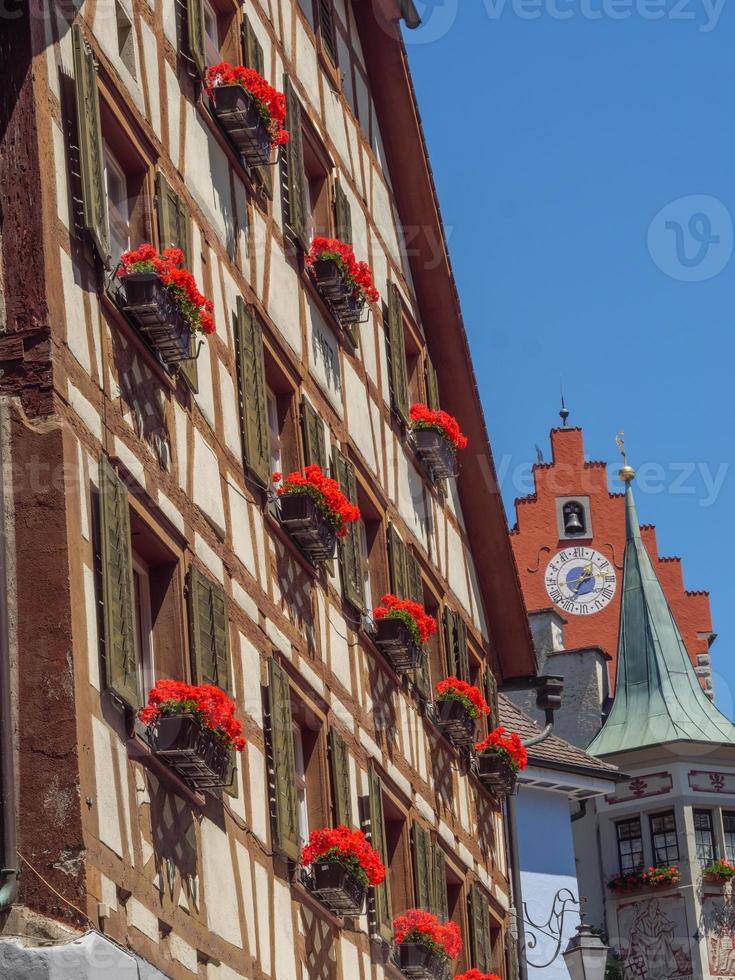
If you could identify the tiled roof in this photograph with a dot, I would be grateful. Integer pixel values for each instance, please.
(553, 751)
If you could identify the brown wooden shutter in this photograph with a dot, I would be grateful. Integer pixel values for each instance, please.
(252, 57)
(423, 870)
(252, 397)
(432, 384)
(397, 353)
(293, 183)
(340, 765)
(195, 33)
(91, 152)
(342, 214)
(397, 560)
(441, 898)
(480, 931)
(491, 695)
(350, 550)
(312, 429)
(208, 631)
(326, 29)
(121, 661)
(381, 892)
(283, 785)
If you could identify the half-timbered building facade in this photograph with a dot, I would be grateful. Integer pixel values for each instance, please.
(142, 532)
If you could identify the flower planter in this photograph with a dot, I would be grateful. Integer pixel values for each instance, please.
(194, 753)
(715, 879)
(299, 515)
(456, 722)
(346, 308)
(236, 112)
(436, 451)
(394, 639)
(337, 888)
(420, 962)
(495, 774)
(152, 308)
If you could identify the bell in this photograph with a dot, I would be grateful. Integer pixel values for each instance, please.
(572, 523)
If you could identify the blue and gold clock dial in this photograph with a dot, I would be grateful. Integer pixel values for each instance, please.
(580, 581)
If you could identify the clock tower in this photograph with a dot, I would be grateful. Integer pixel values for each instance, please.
(569, 544)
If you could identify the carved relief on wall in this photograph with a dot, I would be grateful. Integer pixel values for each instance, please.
(711, 782)
(718, 916)
(652, 784)
(655, 939)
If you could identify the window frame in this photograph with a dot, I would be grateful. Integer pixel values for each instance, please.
(729, 815)
(667, 861)
(620, 840)
(700, 831)
(145, 649)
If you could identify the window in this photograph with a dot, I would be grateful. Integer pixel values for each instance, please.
(664, 838)
(630, 845)
(300, 781)
(125, 38)
(704, 836)
(728, 822)
(116, 185)
(317, 167)
(397, 854)
(321, 16)
(280, 421)
(211, 34)
(125, 174)
(310, 773)
(274, 430)
(367, 589)
(372, 547)
(456, 908)
(143, 625)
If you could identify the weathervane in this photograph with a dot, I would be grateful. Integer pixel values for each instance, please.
(626, 472)
(564, 413)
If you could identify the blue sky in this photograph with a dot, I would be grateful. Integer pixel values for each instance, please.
(586, 172)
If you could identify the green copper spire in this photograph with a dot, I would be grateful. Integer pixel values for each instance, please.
(657, 696)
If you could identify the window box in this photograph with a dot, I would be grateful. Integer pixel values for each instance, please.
(346, 307)
(236, 112)
(495, 774)
(393, 638)
(337, 888)
(194, 753)
(151, 307)
(419, 962)
(435, 451)
(456, 722)
(311, 532)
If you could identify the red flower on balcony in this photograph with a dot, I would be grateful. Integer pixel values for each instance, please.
(452, 688)
(196, 308)
(358, 275)
(420, 624)
(210, 706)
(509, 746)
(348, 847)
(430, 418)
(331, 503)
(424, 928)
(270, 103)
(476, 975)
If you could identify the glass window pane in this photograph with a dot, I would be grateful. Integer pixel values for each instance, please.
(704, 836)
(630, 845)
(664, 839)
(728, 820)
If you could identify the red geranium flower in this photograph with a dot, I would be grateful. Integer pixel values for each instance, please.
(424, 928)
(211, 707)
(470, 696)
(510, 747)
(358, 275)
(350, 848)
(413, 614)
(196, 308)
(270, 103)
(429, 418)
(326, 494)
(476, 975)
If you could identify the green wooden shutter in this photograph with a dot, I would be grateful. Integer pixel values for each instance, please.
(397, 353)
(312, 429)
(480, 931)
(441, 896)
(252, 398)
(512, 959)
(252, 57)
(208, 631)
(414, 582)
(326, 29)
(121, 659)
(283, 789)
(91, 152)
(423, 870)
(491, 695)
(342, 214)
(397, 561)
(350, 550)
(450, 642)
(381, 892)
(432, 384)
(340, 765)
(463, 657)
(293, 184)
(195, 33)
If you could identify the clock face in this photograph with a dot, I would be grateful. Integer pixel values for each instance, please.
(580, 581)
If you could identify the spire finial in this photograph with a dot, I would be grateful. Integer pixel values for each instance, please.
(626, 472)
(564, 413)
